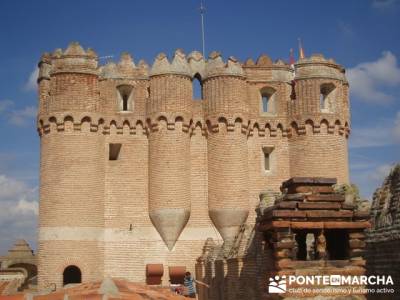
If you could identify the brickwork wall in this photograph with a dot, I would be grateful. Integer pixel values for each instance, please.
(321, 151)
(383, 259)
(55, 256)
(259, 179)
(72, 178)
(383, 239)
(68, 90)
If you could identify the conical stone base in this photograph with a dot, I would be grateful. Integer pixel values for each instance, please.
(169, 223)
(228, 221)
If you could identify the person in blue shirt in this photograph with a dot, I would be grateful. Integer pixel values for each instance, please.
(190, 285)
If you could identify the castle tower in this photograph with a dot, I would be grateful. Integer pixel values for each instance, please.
(72, 166)
(319, 120)
(226, 115)
(169, 114)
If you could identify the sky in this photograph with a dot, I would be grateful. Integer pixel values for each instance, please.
(363, 36)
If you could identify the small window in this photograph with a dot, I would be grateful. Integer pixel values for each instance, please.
(265, 100)
(125, 95)
(267, 152)
(124, 102)
(114, 150)
(197, 87)
(326, 97)
(268, 104)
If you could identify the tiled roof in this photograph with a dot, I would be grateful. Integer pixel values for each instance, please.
(111, 289)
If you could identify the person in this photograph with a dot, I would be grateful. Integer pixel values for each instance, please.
(190, 286)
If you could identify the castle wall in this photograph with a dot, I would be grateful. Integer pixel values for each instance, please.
(320, 150)
(260, 180)
(383, 239)
(187, 170)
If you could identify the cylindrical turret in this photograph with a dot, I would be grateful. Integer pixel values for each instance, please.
(226, 112)
(71, 166)
(319, 116)
(43, 81)
(169, 146)
(74, 77)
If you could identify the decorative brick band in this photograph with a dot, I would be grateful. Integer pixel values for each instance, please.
(120, 235)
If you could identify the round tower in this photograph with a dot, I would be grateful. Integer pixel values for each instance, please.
(319, 119)
(226, 114)
(71, 166)
(44, 82)
(169, 113)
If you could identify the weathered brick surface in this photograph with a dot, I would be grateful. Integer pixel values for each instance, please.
(383, 238)
(205, 157)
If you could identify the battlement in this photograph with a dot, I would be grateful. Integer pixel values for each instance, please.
(312, 90)
(125, 69)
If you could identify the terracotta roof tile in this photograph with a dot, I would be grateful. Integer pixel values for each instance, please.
(115, 289)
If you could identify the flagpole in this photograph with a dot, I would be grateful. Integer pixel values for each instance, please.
(202, 10)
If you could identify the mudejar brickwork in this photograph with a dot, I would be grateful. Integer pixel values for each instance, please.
(135, 172)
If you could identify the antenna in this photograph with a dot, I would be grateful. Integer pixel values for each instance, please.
(202, 11)
(106, 57)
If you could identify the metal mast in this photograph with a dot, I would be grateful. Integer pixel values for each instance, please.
(202, 11)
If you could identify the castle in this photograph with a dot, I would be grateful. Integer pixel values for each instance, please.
(135, 173)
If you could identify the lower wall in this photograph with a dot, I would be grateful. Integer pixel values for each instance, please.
(54, 256)
(118, 253)
(383, 258)
(243, 276)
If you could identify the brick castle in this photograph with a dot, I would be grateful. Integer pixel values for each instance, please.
(135, 172)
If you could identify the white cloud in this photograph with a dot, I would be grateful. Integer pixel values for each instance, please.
(380, 173)
(396, 129)
(18, 211)
(31, 84)
(384, 4)
(10, 188)
(385, 134)
(5, 105)
(18, 117)
(368, 79)
(23, 116)
(368, 173)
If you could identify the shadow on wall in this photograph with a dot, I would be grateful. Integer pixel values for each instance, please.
(237, 272)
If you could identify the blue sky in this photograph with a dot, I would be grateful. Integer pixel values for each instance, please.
(364, 36)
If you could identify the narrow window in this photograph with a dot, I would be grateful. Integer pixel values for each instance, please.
(114, 150)
(267, 152)
(266, 161)
(197, 87)
(322, 101)
(72, 274)
(265, 99)
(327, 97)
(268, 104)
(125, 97)
(124, 102)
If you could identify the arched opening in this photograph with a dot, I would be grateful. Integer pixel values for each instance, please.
(125, 97)
(326, 97)
(31, 269)
(197, 87)
(72, 274)
(268, 104)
